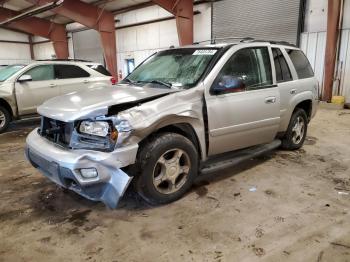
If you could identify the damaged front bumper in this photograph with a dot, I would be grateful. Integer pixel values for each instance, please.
(63, 166)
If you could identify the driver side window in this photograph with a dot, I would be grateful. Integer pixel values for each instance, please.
(247, 69)
(41, 73)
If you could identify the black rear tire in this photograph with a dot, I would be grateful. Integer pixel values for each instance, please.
(149, 160)
(5, 119)
(291, 140)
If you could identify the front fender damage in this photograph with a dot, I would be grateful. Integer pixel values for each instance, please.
(184, 107)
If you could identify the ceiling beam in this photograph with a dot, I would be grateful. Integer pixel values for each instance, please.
(183, 11)
(92, 17)
(40, 27)
(32, 12)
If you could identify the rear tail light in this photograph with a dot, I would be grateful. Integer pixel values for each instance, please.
(113, 81)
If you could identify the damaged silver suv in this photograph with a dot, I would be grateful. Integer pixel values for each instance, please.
(182, 112)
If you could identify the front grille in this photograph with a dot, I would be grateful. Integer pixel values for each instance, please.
(56, 131)
(66, 135)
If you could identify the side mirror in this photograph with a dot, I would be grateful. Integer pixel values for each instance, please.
(228, 84)
(25, 78)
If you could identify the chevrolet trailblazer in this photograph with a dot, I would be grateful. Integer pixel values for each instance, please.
(182, 112)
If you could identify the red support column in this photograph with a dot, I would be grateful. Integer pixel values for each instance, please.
(95, 18)
(331, 47)
(31, 49)
(40, 27)
(183, 12)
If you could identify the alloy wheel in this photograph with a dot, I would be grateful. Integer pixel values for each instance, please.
(2, 119)
(171, 171)
(298, 130)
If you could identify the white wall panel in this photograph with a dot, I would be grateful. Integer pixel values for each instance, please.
(316, 15)
(147, 37)
(168, 34)
(11, 53)
(142, 15)
(44, 51)
(344, 65)
(14, 53)
(319, 56)
(139, 42)
(346, 12)
(314, 46)
(12, 36)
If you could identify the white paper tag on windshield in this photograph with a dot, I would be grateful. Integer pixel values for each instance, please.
(205, 52)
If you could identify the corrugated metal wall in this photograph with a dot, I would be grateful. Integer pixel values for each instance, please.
(262, 19)
(87, 46)
(314, 44)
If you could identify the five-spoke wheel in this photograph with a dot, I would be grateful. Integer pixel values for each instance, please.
(5, 119)
(168, 166)
(171, 171)
(296, 133)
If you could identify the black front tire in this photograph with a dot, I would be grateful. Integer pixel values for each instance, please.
(289, 141)
(149, 157)
(5, 119)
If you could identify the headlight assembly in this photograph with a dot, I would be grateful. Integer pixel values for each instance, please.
(95, 128)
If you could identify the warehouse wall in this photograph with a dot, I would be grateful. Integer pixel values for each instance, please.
(139, 42)
(46, 50)
(261, 19)
(11, 53)
(313, 43)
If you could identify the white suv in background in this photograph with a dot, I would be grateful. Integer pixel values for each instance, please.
(24, 87)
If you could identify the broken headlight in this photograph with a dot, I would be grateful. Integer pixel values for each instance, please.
(123, 126)
(95, 128)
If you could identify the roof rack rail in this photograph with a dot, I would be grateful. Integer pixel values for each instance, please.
(67, 60)
(213, 40)
(246, 40)
(275, 42)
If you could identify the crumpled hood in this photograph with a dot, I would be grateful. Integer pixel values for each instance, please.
(95, 102)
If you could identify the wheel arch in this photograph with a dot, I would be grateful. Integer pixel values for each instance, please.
(182, 128)
(306, 105)
(7, 106)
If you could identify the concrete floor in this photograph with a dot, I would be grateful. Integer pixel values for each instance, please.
(295, 214)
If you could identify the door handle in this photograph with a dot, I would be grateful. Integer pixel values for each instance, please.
(270, 100)
(293, 91)
(52, 85)
(86, 81)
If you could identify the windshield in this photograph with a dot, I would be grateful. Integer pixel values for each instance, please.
(175, 67)
(8, 71)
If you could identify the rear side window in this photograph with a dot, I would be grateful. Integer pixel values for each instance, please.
(70, 71)
(101, 69)
(282, 70)
(301, 63)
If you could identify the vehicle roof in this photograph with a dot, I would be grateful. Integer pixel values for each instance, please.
(63, 61)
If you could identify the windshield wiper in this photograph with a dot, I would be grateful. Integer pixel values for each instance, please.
(129, 81)
(161, 83)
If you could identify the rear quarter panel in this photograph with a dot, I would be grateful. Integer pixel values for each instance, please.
(306, 89)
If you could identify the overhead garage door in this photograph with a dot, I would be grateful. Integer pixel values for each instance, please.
(87, 46)
(261, 19)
